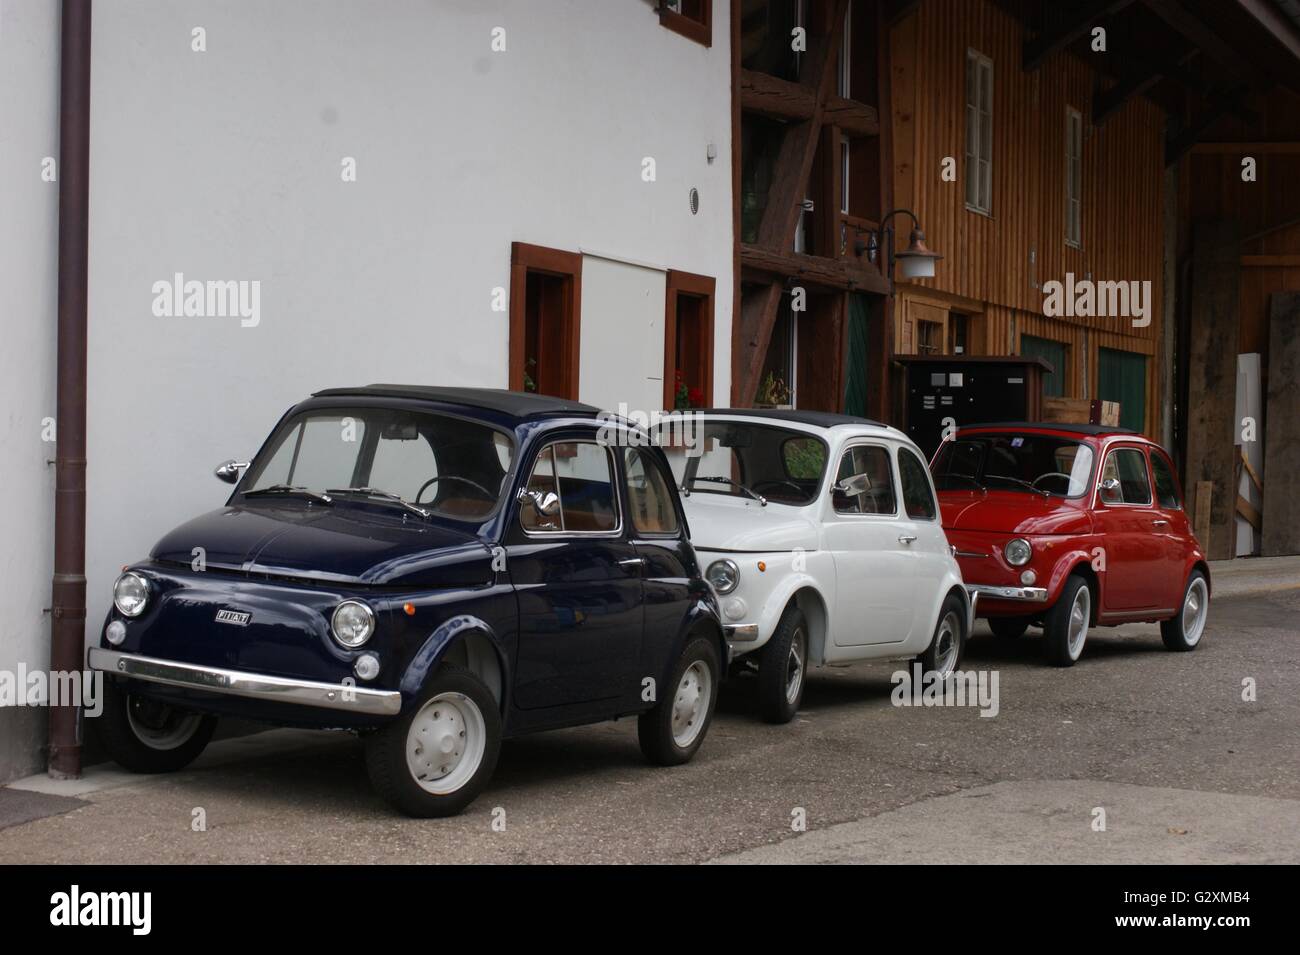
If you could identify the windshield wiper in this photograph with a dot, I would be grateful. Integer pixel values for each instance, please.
(967, 477)
(722, 480)
(290, 489)
(1016, 480)
(382, 495)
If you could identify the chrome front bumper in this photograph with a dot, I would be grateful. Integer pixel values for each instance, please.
(995, 592)
(257, 686)
(741, 633)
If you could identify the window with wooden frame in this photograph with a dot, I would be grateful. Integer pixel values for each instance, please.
(979, 132)
(1073, 178)
(691, 18)
(545, 321)
(688, 340)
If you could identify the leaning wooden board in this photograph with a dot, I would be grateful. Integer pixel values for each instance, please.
(1281, 517)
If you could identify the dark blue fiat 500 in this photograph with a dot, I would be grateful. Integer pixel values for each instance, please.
(435, 568)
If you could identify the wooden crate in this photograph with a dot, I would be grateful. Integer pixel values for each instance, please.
(1081, 411)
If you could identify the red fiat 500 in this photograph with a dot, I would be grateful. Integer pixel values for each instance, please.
(1069, 526)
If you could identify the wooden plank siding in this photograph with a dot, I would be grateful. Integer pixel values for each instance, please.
(987, 270)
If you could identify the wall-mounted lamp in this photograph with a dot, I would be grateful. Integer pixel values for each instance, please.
(915, 262)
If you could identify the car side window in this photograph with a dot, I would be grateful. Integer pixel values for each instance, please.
(579, 473)
(864, 483)
(1128, 466)
(1166, 486)
(918, 500)
(649, 500)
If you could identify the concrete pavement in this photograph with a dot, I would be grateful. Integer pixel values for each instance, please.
(1163, 741)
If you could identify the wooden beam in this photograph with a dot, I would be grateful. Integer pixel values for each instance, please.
(1177, 145)
(1209, 40)
(814, 270)
(1109, 101)
(854, 119)
(1247, 149)
(757, 316)
(772, 96)
(1066, 30)
(1291, 261)
(795, 156)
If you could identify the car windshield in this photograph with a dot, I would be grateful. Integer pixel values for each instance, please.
(740, 459)
(1032, 463)
(438, 464)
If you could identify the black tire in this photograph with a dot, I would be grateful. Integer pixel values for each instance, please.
(655, 726)
(1058, 622)
(1174, 631)
(948, 642)
(1008, 628)
(386, 762)
(777, 662)
(147, 736)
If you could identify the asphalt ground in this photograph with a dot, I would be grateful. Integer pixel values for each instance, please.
(1163, 743)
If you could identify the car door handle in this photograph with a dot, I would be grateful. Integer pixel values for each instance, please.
(631, 561)
(906, 538)
(1159, 523)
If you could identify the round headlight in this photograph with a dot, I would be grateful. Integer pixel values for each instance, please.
(723, 576)
(1018, 552)
(353, 623)
(130, 594)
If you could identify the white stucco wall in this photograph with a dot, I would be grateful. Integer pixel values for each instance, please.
(225, 165)
(29, 132)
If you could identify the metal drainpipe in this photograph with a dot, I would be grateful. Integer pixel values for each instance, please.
(68, 606)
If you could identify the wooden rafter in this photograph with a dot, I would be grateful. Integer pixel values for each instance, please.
(1209, 40)
(814, 270)
(757, 317)
(799, 145)
(1067, 28)
(776, 98)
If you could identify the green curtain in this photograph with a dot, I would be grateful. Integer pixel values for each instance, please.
(855, 379)
(1122, 377)
(1054, 352)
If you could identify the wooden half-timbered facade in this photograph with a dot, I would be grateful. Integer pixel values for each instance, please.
(812, 182)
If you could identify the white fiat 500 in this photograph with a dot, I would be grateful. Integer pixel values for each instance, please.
(821, 535)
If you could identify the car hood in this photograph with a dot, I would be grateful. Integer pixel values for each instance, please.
(340, 543)
(721, 523)
(1010, 512)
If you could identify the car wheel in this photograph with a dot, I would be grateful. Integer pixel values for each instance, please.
(943, 656)
(674, 728)
(1009, 628)
(783, 662)
(148, 736)
(1184, 630)
(1065, 628)
(437, 758)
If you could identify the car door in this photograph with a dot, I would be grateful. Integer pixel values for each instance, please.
(1170, 523)
(874, 564)
(578, 581)
(1126, 512)
(667, 563)
(920, 520)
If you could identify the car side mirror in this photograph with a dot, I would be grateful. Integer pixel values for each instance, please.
(1110, 491)
(546, 504)
(856, 484)
(228, 471)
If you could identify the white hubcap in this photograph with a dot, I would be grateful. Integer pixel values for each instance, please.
(445, 744)
(1080, 611)
(794, 668)
(158, 725)
(691, 704)
(1196, 607)
(945, 645)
